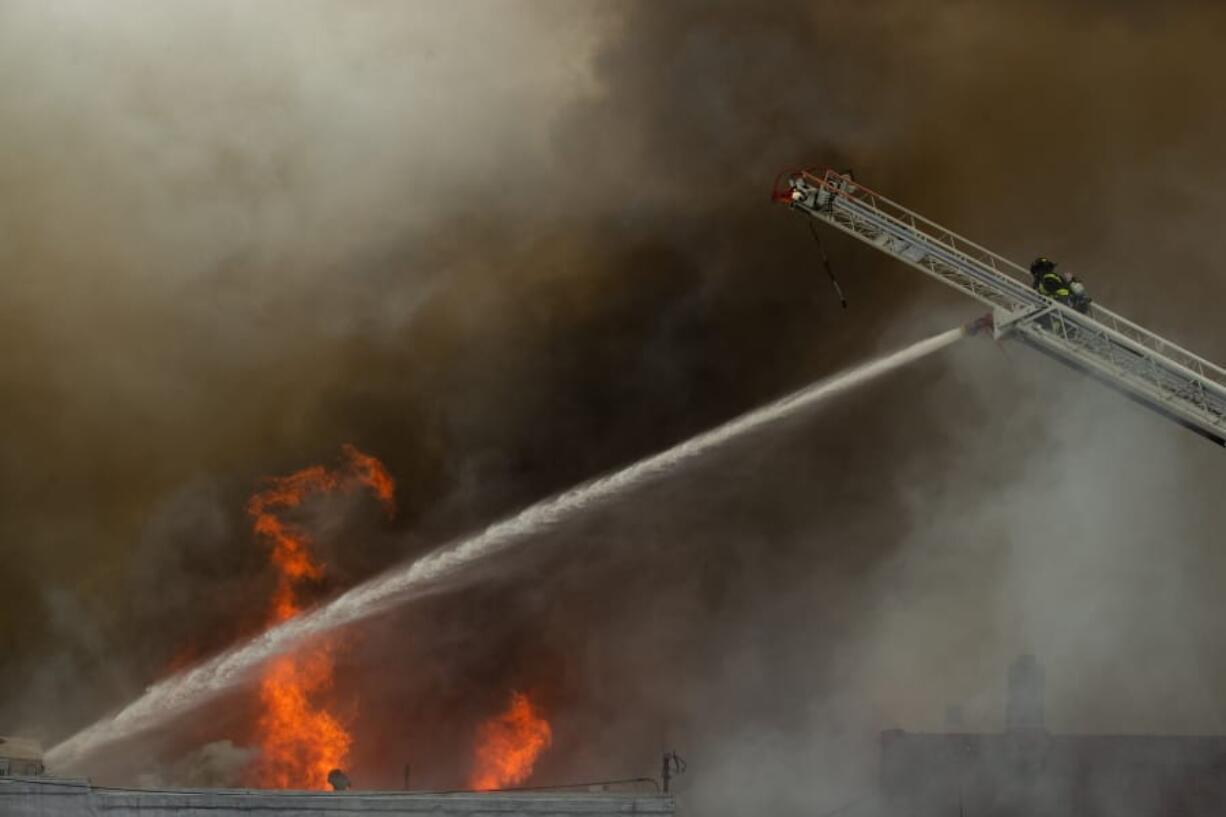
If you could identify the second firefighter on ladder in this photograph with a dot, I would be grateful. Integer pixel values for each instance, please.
(1062, 287)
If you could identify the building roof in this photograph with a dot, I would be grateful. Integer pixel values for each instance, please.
(78, 798)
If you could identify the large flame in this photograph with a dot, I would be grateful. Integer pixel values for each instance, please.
(508, 745)
(300, 739)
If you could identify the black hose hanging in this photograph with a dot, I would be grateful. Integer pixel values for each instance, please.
(826, 263)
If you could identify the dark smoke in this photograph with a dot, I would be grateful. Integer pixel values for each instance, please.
(507, 246)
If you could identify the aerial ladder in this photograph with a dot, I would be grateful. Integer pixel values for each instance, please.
(1143, 366)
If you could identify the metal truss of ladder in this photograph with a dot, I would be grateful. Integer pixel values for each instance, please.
(1131, 359)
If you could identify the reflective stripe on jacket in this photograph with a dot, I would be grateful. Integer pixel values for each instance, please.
(1054, 286)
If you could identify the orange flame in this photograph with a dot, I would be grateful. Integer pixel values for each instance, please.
(508, 746)
(300, 740)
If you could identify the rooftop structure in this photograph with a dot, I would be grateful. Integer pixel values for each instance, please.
(21, 756)
(1026, 770)
(44, 796)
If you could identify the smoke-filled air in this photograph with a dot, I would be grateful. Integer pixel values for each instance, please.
(288, 680)
(430, 395)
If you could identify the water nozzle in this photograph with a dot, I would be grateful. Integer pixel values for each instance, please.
(983, 323)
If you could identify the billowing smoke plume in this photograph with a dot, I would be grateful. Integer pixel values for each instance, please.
(506, 246)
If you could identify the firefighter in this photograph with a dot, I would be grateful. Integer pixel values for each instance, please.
(1061, 286)
(1049, 282)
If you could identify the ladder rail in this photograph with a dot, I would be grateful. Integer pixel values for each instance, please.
(844, 185)
(1171, 379)
(938, 257)
(843, 188)
(1022, 296)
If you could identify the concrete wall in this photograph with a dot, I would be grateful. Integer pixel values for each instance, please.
(57, 797)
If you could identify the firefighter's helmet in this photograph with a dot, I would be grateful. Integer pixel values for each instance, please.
(1041, 266)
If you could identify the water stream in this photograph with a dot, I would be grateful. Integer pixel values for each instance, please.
(186, 690)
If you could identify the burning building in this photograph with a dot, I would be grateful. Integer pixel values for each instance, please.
(1028, 770)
